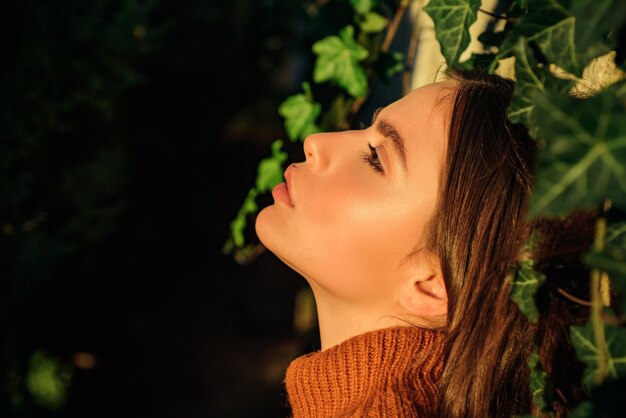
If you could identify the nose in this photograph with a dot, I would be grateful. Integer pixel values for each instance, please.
(314, 150)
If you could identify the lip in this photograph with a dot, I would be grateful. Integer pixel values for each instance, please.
(280, 192)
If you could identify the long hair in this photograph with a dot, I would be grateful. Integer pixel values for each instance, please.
(477, 231)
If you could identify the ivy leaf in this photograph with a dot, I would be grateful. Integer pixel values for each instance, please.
(587, 351)
(612, 258)
(523, 289)
(238, 225)
(551, 26)
(389, 64)
(270, 169)
(539, 383)
(584, 160)
(452, 19)
(528, 78)
(363, 6)
(269, 173)
(300, 113)
(596, 20)
(372, 22)
(338, 60)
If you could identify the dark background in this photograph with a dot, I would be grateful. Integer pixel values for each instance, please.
(130, 134)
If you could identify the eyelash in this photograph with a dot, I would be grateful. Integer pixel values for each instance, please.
(371, 158)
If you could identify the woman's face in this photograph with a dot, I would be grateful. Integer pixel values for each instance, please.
(357, 206)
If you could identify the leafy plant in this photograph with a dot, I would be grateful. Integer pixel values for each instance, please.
(581, 133)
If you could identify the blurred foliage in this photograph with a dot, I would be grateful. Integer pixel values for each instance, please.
(63, 169)
(47, 380)
(70, 81)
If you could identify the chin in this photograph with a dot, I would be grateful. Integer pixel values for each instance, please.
(271, 233)
(270, 230)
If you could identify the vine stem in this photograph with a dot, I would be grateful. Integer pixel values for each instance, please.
(391, 33)
(412, 51)
(508, 19)
(596, 303)
(573, 298)
(395, 23)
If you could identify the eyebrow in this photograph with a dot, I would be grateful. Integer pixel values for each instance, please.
(387, 130)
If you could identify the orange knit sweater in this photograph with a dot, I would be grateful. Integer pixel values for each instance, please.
(390, 372)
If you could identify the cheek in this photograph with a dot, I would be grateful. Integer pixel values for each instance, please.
(356, 235)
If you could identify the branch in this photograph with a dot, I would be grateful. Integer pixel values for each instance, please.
(393, 27)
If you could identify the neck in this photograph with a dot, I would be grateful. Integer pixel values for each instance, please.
(339, 321)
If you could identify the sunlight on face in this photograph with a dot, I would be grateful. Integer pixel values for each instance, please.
(357, 207)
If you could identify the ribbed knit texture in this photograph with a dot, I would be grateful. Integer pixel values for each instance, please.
(390, 372)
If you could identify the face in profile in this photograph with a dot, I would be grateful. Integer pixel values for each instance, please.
(350, 216)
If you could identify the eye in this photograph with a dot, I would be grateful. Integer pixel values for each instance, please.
(371, 158)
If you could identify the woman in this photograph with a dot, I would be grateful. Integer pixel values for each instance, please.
(405, 232)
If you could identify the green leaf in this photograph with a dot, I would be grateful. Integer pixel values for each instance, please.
(238, 225)
(270, 169)
(338, 61)
(452, 19)
(269, 174)
(372, 22)
(363, 6)
(551, 26)
(523, 289)
(568, 35)
(300, 113)
(539, 383)
(390, 64)
(612, 259)
(595, 21)
(529, 77)
(587, 351)
(584, 160)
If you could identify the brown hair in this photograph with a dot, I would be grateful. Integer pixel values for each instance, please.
(477, 231)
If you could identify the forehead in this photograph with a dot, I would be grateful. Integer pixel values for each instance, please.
(431, 103)
(422, 117)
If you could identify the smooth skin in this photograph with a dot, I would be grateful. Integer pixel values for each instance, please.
(352, 223)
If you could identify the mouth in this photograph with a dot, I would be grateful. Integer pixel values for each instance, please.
(280, 192)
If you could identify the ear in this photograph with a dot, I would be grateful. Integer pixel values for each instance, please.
(423, 293)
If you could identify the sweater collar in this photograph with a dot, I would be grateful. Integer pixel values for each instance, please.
(400, 365)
